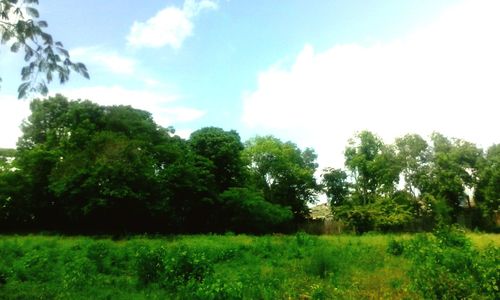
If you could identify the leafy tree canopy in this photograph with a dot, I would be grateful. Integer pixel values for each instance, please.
(283, 172)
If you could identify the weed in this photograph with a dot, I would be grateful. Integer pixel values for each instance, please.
(395, 247)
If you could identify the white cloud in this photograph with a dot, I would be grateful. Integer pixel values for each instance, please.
(170, 26)
(110, 61)
(444, 77)
(163, 107)
(12, 113)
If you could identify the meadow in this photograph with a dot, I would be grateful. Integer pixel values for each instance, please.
(447, 264)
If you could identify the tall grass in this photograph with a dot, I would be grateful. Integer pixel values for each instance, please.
(225, 267)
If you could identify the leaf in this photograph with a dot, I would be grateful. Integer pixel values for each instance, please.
(15, 47)
(42, 24)
(28, 53)
(23, 89)
(32, 12)
(63, 51)
(26, 72)
(6, 36)
(47, 38)
(49, 76)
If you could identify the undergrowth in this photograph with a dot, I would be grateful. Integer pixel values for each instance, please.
(443, 265)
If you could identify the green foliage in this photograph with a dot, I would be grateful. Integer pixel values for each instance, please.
(246, 267)
(151, 265)
(84, 168)
(487, 194)
(223, 149)
(395, 247)
(21, 29)
(283, 172)
(446, 266)
(184, 265)
(373, 165)
(336, 186)
(322, 263)
(248, 211)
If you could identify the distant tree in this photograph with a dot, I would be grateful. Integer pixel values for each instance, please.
(20, 29)
(283, 172)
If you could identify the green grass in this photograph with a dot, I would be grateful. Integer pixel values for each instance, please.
(213, 267)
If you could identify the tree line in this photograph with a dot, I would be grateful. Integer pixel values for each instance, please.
(86, 168)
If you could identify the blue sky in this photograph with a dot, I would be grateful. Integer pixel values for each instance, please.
(310, 72)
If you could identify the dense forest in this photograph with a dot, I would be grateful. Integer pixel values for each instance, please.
(85, 168)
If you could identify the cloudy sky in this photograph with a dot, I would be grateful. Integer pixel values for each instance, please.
(313, 72)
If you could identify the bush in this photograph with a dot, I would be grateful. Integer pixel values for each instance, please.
(172, 269)
(446, 266)
(185, 265)
(150, 265)
(321, 263)
(395, 247)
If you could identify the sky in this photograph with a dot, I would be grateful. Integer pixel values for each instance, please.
(312, 72)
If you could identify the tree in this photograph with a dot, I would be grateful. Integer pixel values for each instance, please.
(21, 29)
(82, 163)
(336, 186)
(414, 156)
(223, 149)
(246, 210)
(373, 167)
(453, 170)
(487, 194)
(369, 200)
(283, 172)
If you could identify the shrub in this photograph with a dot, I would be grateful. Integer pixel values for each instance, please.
(321, 263)
(395, 247)
(446, 266)
(184, 265)
(304, 239)
(150, 265)
(215, 289)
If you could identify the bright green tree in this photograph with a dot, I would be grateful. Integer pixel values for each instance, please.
(373, 167)
(283, 172)
(453, 171)
(413, 154)
(373, 201)
(487, 194)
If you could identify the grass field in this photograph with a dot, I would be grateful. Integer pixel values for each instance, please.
(247, 267)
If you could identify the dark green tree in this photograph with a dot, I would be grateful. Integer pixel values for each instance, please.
(246, 210)
(223, 149)
(335, 185)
